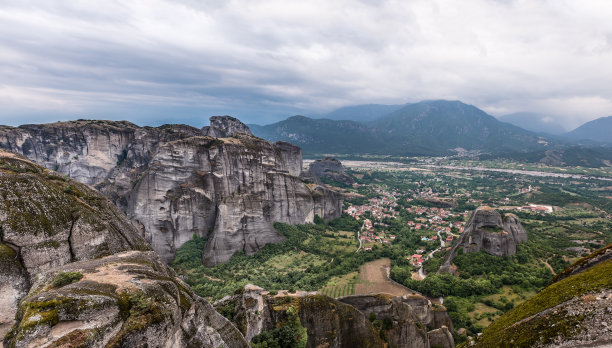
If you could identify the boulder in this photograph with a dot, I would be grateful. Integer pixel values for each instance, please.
(130, 299)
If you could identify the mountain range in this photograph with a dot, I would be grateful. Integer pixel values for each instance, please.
(432, 128)
(424, 128)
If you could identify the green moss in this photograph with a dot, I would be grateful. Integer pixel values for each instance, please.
(593, 279)
(65, 278)
(140, 311)
(6, 252)
(50, 244)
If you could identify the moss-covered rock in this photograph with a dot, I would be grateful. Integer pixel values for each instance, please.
(124, 300)
(574, 310)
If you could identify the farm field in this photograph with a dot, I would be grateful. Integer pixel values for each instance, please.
(374, 277)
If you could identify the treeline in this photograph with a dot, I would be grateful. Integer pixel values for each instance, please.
(481, 274)
(241, 269)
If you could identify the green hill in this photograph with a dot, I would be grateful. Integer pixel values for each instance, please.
(568, 311)
(599, 130)
(425, 128)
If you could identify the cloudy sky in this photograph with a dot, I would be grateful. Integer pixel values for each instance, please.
(155, 61)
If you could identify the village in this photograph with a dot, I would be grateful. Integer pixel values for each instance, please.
(438, 227)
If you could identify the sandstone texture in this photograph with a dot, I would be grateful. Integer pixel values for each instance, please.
(130, 299)
(75, 272)
(174, 181)
(342, 322)
(490, 232)
(329, 168)
(411, 315)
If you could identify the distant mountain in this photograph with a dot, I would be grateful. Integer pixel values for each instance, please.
(441, 125)
(316, 136)
(534, 122)
(362, 113)
(599, 130)
(593, 157)
(425, 128)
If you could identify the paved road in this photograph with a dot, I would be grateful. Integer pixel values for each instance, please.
(430, 255)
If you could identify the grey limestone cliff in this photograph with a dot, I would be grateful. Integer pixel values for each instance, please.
(489, 231)
(75, 272)
(329, 168)
(342, 322)
(175, 181)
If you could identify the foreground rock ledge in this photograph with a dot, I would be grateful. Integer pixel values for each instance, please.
(131, 299)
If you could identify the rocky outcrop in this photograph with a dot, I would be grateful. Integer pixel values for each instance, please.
(292, 156)
(225, 126)
(130, 299)
(575, 310)
(343, 322)
(411, 315)
(488, 231)
(329, 168)
(328, 322)
(175, 181)
(75, 272)
(441, 338)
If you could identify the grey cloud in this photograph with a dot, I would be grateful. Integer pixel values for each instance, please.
(179, 61)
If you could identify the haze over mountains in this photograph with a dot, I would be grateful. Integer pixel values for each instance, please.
(437, 127)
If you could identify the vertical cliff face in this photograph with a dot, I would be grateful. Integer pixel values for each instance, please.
(343, 322)
(489, 231)
(175, 181)
(75, 272)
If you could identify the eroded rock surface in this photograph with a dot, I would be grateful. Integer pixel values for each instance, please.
(574, 310)
(130, 299)
(75, 272)
(329, 168)
(342, 322)
(489, 231)
(175, 181)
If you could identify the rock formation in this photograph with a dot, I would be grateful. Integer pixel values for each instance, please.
(175, 181)
(574, 310)
(342, 322)
(75, 272)
(488, 231)
(411, 316)
(329, 168)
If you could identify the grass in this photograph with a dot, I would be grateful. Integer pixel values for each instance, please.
(65, 278)
(504, 330)
(341, 286)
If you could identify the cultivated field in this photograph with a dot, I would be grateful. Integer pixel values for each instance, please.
(374, 277)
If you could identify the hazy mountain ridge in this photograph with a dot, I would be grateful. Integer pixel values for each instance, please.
(533, 122)
(599, 130)
(425, 128)
(362, 113)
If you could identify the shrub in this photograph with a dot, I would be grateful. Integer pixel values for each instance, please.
(65, 278)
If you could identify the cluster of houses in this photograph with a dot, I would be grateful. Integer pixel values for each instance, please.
(368, 235)
(417, 259)
(380, 208)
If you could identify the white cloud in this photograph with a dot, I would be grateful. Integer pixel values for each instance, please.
(258, 58)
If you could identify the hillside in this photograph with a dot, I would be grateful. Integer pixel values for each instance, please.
(362, 113)
(425, 128)
(533, 122)
(599, 130)
(75, 273)
(321, 135)
(443, 125)
(160, 176)
(573, 310)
